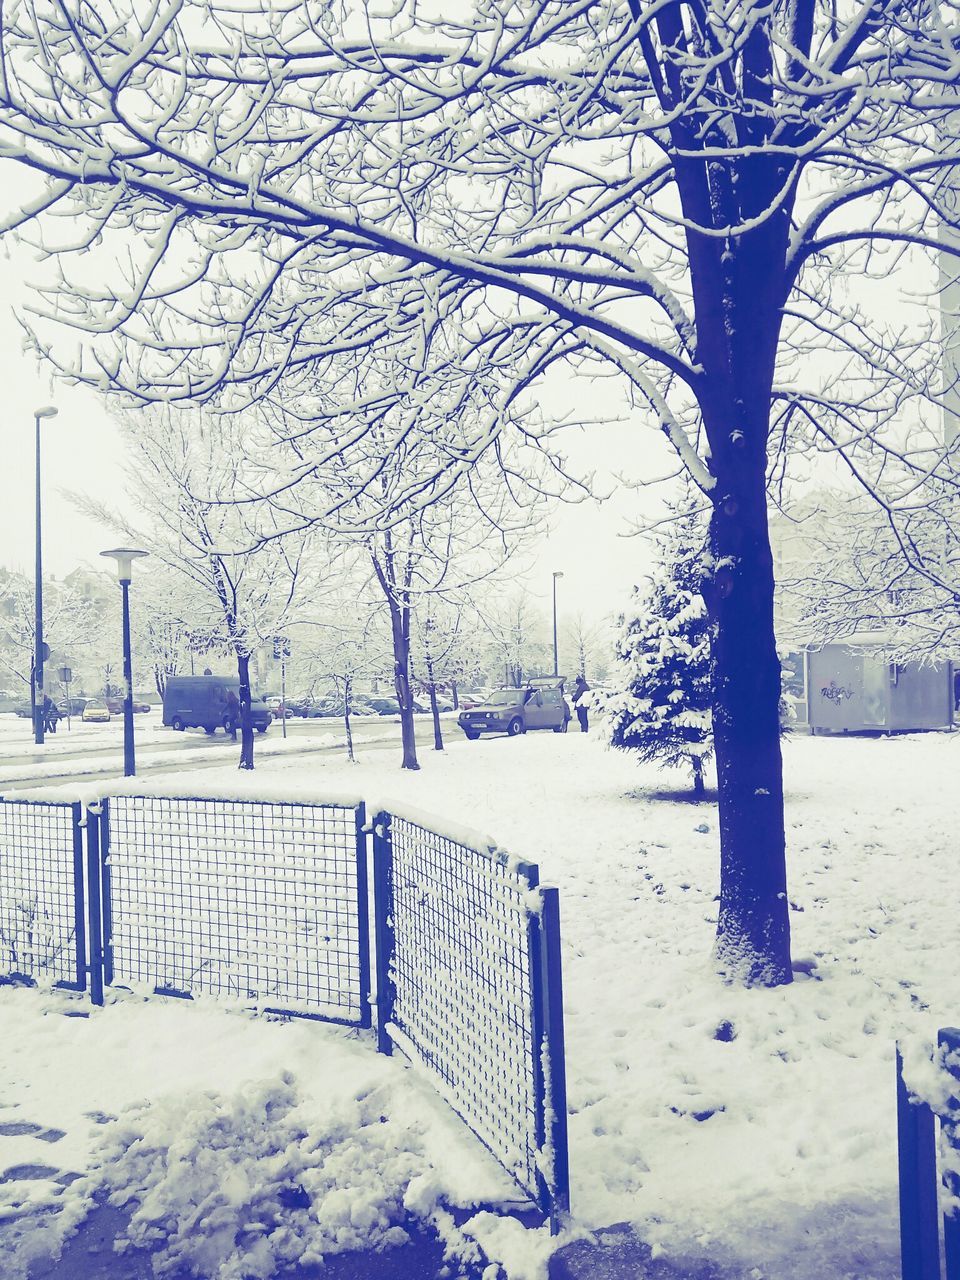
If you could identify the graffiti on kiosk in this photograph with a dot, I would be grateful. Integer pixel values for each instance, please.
(835, 692)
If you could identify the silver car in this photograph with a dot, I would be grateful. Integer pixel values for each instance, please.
(514, 711)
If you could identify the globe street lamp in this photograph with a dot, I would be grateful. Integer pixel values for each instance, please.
(125, 557)
(39, 649)
(556, 664)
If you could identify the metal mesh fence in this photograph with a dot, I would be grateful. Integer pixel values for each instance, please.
(41, 892)
(464, 986)
(261, 901)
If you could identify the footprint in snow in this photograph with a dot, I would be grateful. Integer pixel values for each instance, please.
(26, 1128)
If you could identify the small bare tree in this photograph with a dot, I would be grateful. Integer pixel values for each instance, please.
(242, 576)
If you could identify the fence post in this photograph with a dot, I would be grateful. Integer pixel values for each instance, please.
(363, 917)
(554, 1067)
(948, 1042)
(917, 1159)
(106, 897)
(95, 952)
(79, 923)
(383, 926)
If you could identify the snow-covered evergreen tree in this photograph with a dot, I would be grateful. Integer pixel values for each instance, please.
(662, 706)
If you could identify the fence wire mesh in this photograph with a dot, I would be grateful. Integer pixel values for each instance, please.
(41, 893)
(261, 901)
(463, 997)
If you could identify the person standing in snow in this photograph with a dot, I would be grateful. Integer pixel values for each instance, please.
(580, 687)
(232, 716)
(50, 714)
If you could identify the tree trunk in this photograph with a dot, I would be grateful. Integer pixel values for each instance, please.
(753, 929)
(347, 691)
(455, 695)
(400, 632)
(699, 791)
(435, 711)
(246, 727)
(739, 288)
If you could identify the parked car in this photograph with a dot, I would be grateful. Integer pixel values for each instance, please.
(279, 710)
(24, 709)
(514, 711)
(309, 706)
(443, 702)
(362, 705)
(473, 698)
(71, 706)
(115, 705)
(95, 711)
(202, 702)
(385, 706)
(327, 707)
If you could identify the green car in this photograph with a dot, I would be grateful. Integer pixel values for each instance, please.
(514, 711)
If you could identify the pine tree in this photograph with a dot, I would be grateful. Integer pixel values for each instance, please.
(662, 707)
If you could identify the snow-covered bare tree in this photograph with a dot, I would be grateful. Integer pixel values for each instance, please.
(165, 623)
(519, 643)
(433, 555)
(74, 625)
(706, 198)
(447, 633)
(186, 471)
(844, 572)
(425, 539)
(345, 642)
(580, 645)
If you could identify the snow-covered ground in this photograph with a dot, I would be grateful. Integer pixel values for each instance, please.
(753, 1127)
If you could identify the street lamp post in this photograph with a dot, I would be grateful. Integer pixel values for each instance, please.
(125, 557)
(556, 662)
(38, 651)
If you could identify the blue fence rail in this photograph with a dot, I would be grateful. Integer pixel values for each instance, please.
(42, 927)
(469, 987)
(265, 902)
(917, 1146)
(268, 903)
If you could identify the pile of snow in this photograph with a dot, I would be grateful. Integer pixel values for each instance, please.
(236, 1144)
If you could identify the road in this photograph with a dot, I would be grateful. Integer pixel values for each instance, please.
(94, 752)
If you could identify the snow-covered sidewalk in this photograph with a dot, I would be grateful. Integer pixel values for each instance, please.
(755, 1128)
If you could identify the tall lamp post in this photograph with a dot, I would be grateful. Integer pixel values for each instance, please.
(39, 654)
(125, 557)
(556, 662)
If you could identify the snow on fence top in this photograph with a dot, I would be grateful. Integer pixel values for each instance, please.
(253, 787)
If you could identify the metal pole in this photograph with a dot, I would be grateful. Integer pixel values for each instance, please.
(129, 764)
(283, 694)
(556, 664)
(917, 1162)
(38, 619)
